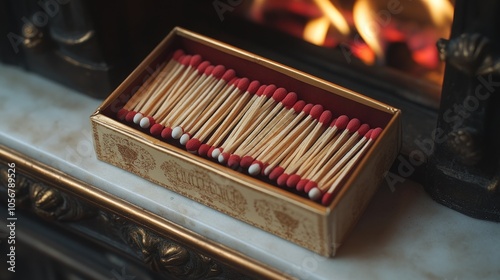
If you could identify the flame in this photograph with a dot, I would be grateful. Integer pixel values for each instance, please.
(316, 30)
(441, 11)
(364, 20)
(334, 15)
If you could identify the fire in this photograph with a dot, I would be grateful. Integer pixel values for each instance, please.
(334, 15)
(316, 30)
(366, 24)
(441, 12)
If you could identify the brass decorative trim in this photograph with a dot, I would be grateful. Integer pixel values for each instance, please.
(147, 235)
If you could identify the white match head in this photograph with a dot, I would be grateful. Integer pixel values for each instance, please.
(184, 139)
(177, 132)
(255, 168)
(146, 122)
(223, 157)
(315, 194)
(137, 118)
(216, 152)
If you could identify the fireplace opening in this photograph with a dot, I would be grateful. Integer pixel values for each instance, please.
(400, 35)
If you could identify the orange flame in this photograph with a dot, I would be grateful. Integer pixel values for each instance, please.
(334, 15)
(316, 30)
(364, 20)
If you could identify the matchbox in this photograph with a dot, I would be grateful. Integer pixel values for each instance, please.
(311, 221)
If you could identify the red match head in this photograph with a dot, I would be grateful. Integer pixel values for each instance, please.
(209, 70)
(375, 133)
(307, 108)
(177, 54)
(156, 129)
(368, 134)
(325, 117)
(261, 90)
(122, 114)
(218, 71)
(279, 94)
(341, 122)
(233, 161)
(193, 144)
(246, 161)
(299, 106)
(327, 199)
(253, 86)
(228, 75)
(363, 129)
(202, 67)
(281, 181)
(203, 150)
(310, 185)
(289, 100)
(130, 116)
(195, 60)
(223, 157)
(269, 90)
(277, 171)
(353, 125)
(186, 60)
(293, 180)
(316, 111)
(243, 84)
(166, 133)
(301, 184)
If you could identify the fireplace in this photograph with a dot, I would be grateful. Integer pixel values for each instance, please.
(384, 49)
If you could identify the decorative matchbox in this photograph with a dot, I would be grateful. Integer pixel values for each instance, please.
(285, 212)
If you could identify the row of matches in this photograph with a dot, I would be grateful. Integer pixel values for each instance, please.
(255, 128)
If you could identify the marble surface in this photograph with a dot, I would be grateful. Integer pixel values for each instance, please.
(402, 235)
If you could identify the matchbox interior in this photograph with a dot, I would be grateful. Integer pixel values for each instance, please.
(338, 100)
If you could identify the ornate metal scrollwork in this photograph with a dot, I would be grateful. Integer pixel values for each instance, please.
(52, 204)
(167, 257)
(48, 202)
(471, 53)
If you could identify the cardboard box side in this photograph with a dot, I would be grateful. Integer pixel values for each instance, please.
(222, 191)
